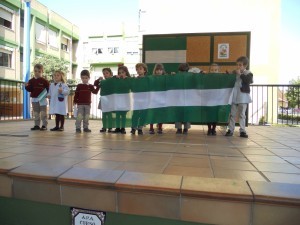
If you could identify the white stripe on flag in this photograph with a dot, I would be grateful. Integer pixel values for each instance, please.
(170, 56)
(160, 99)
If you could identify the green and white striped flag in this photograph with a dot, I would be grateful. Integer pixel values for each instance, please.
(42, 97)
(184, 97)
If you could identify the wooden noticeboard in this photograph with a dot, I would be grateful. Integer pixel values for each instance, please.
(198, 49)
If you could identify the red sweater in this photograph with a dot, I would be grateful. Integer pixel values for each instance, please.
(83, 94)
(36, 86)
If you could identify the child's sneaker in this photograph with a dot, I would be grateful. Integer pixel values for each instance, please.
(229, 133)
(78, 130)
(123, 131)
(109, 130)
(140, 132)
(244, 135)
(43, 128)
(213, 132)
(54, 129)
(159, 131)
(35, 128)
(151, 131)
(209, 133)
(103, 130)
(179, 131)
(132, 131)
(185, 131)
(61, 129)
(87, 130)
(117, 130)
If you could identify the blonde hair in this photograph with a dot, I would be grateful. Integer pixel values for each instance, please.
(62, 74)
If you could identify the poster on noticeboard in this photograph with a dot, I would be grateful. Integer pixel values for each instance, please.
(223, 51)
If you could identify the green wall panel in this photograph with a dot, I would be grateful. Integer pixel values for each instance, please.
(22, 212)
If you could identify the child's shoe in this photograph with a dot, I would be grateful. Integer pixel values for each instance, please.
(87, 130)
(151, 131)
(159, 131)
(117, 130)
(209, 132)
(229, 133)
(132, 131)
(61, 129)
(78, 130)
(123, 131)
(35, 128)
(179, 131)
(185, 131)
(103, 130)
(213, 132)
(140, 132)
(43, 128)
(54, 129)
(109, 130)
(244, 135)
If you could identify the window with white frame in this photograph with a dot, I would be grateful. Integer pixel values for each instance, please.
(6, 18)
(6, 58)
(65, 43)
(40, 33)
(97, 51)
(52, 38)
(113, 50)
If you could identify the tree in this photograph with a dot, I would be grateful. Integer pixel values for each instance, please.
(51, 64)
(293, 94)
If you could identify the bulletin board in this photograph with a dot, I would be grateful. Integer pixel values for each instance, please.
(198, 49)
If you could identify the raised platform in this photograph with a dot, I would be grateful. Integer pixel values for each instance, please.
(187, 178)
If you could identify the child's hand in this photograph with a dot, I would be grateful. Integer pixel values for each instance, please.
(48, 96)
(60, 90)
(26, 84)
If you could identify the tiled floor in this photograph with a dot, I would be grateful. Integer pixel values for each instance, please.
(270, 154)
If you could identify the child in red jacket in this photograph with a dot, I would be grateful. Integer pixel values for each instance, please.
(83, 100)
(38, 88)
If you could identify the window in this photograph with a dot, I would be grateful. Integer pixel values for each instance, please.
(64, 45)
(6, 18)
(40, 33)
(52, 38)
(5, 58)
(113, 50)
(97, 51)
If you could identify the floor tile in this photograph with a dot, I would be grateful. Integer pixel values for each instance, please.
(188, 171)
(276, 167)
(239, 175)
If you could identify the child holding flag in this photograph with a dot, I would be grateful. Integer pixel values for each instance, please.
(38, 88)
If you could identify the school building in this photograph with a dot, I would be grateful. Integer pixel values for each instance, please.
(111, 50)
(50, 34)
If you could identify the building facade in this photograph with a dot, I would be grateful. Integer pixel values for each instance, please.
(111, 51)
(50, 34)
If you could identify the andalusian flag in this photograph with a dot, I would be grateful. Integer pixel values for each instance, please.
(184, 97)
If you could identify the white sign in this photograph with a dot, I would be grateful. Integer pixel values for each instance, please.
(223, 51)
(87, 217)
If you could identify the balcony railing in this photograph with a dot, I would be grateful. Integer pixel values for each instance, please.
(270, 104)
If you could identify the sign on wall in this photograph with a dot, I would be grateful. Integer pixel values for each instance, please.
(87, 217)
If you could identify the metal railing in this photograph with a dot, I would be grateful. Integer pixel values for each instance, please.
(270, 104)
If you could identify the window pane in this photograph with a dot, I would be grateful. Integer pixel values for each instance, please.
(5, 59)
(52, 39)
(40, 33)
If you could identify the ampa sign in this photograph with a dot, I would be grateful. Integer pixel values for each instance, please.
(87, 217)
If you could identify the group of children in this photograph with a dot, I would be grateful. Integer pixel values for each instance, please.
(58, 91)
